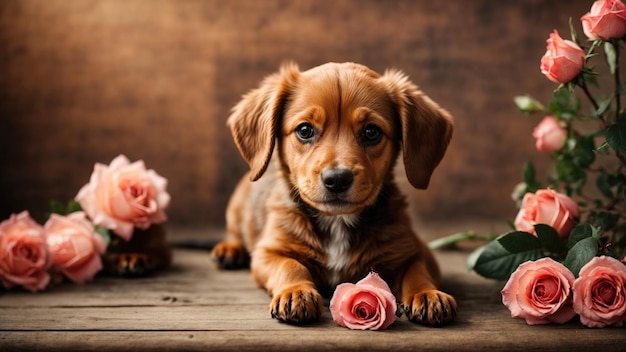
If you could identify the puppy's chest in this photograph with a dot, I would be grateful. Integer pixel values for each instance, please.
(339, 231)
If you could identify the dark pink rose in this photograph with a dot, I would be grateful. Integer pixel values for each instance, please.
(122, 196)
(547, 207)
(539, 292)
(549, 135)
(366, 305)
(74, 245)
(563, 60)
(600, 293)
(24, 258)
(606, 20)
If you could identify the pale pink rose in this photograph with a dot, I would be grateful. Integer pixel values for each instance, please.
(366, 305)
(24, 255)
(600, 293)
(539, 292)
(122, 196)
(549, 135)
(606, 20)
(75, 246)
(547, 207)
(563, 60)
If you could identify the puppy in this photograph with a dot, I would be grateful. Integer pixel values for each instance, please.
(327, 209)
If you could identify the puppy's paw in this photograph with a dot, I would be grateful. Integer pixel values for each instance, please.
(129, 264)
(431, 307)
(230, 255)
(298, 304)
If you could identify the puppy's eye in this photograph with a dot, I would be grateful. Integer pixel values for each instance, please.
(371, 135)
(305, 132)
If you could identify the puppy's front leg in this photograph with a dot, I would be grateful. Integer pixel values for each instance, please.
(295, 299)
(423, 302)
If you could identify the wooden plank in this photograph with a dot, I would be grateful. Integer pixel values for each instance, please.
(225, 311)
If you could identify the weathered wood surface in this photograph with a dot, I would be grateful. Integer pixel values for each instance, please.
(195, 307)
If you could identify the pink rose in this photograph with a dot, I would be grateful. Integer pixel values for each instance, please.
(23, 253)
(539, 292)
(606, 20)
(549, 134)
(563, 60)
(74, 245)
(600, 293)
(366, 305)
(547, 207)
(123, 196)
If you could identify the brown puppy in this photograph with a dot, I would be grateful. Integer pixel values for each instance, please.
(327, 209)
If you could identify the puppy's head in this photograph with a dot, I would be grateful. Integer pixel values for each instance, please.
(339, 129)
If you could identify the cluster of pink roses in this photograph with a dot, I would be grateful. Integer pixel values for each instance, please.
(545, 291)
(118, 197)
(564, 61)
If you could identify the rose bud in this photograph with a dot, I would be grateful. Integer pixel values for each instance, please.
(547, 207)
(563, 60)
(606, 20)
(549, 135)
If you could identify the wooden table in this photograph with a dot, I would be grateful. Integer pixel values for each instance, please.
(197, 308)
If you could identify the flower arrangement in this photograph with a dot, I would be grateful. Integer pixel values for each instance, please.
(566, 252)
(119, 197)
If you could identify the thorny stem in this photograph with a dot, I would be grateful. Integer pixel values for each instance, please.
(593, 101)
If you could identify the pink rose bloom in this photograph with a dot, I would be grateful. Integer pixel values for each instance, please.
(123, 196)
(606, 20)
(549, 134)
(23, 253)
(547, 207)
(366, 305)
(539, 292)
(75, 246)
(563, 60)
(600, 293)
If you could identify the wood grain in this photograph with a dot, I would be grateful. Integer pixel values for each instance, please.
(193, 307)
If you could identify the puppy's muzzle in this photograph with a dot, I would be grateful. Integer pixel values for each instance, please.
(337, 180)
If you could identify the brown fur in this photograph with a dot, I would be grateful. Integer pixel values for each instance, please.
(300, 238)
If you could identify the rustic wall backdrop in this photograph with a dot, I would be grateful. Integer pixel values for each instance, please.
(83, 81)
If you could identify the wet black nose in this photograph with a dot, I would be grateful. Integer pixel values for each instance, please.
(337, 180)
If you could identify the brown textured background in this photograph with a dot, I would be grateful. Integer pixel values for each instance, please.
(83, 81)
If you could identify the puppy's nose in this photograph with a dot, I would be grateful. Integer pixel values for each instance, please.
(337, 180)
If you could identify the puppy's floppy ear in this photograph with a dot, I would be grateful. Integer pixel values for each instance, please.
(426, 128)
(255, 120)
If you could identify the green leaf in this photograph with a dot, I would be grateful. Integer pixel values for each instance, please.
(57, 208)
(495, 262)
(604, 185)
(583, 151)
(603, 105)
(616, 136)
(606, 220)
(519, 241)
(549, 238)
(581, 232)
(105, 234)
(611, 56)
(73, 206)
(526, 103)
(580, 254)
(569, 171)
(529, 178)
